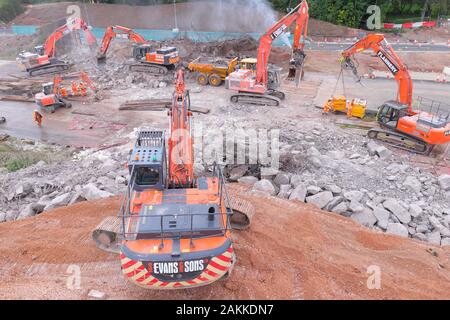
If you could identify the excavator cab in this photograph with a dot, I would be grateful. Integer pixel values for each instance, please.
(140, 51)
(39, 50)
(273, 76)
(47, 88)
(147, 162)
(390, 112)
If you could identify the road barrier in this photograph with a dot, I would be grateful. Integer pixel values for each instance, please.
(410, 25)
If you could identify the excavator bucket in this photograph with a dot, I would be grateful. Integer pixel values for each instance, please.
(296, 66)
(101, 57)
(349, 64)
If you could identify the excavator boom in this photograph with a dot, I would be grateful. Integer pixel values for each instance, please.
(181, 158)
(404, 128)
(261, 88)
(43, 60)
(386, 53)
(114, 31)
(298, 15)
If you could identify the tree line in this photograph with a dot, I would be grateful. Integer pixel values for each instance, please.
(342, 12)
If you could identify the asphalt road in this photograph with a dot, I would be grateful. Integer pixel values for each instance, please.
(405, 47)
(377, 91)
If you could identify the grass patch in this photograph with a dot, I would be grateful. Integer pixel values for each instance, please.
(14, 158)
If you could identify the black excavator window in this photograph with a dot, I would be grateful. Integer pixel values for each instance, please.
(147, 176)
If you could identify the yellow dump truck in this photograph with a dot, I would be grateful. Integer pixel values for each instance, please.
(212, 70)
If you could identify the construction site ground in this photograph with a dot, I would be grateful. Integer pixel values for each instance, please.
(292, 251)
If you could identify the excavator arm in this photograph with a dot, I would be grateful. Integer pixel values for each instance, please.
(386, 53)
(181, 152)
(298, 55)
(76, 24)
(298, 15)
(112, 32)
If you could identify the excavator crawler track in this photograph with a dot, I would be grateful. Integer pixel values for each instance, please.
(149, 68)
(400, 141)
(258, 99)
(106, 234)
(52, 68)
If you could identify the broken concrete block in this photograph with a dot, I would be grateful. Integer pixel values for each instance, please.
(444, 182)
(434, 237)
(397, 229)
(91, 192)
(382, 216)
(251, 180)
(413, 184)
(96, 294)
(299, 193)
(321, 199)
(340, 208)
(59, 201)
(265, 186)
(365, 217)
(397, 209)
(281, 178)
(353, 195)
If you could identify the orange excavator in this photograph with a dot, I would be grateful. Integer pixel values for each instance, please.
(261, 88)
(407, 129)
(53, 93)
(174, 229)
(148, 60)
(43, 60)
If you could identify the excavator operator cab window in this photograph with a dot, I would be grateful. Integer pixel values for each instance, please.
(141, 51)
(47, 88)
(389, 115)
(147, 176)
(39, 50)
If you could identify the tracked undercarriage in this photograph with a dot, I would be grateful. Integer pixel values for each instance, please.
(401, 141)
(57, 67)
(149, 68)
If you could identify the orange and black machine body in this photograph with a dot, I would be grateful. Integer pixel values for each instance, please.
(50, 98)
(142, 51)
(43, 57)
(399, 115)
(175, 227)
(53, 93)
(166, 56)
(112, 32)
(265, 81)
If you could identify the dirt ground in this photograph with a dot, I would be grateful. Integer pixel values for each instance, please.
(325, 257)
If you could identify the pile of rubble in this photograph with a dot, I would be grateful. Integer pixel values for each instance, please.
(357, 178)
(88, 175)
(340, 172)
(114, 72)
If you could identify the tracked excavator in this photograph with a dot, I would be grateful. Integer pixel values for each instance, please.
(158, 61)
(174, 229)
(43, 59)
(53, 93)
(402, 127)
(261, 87)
